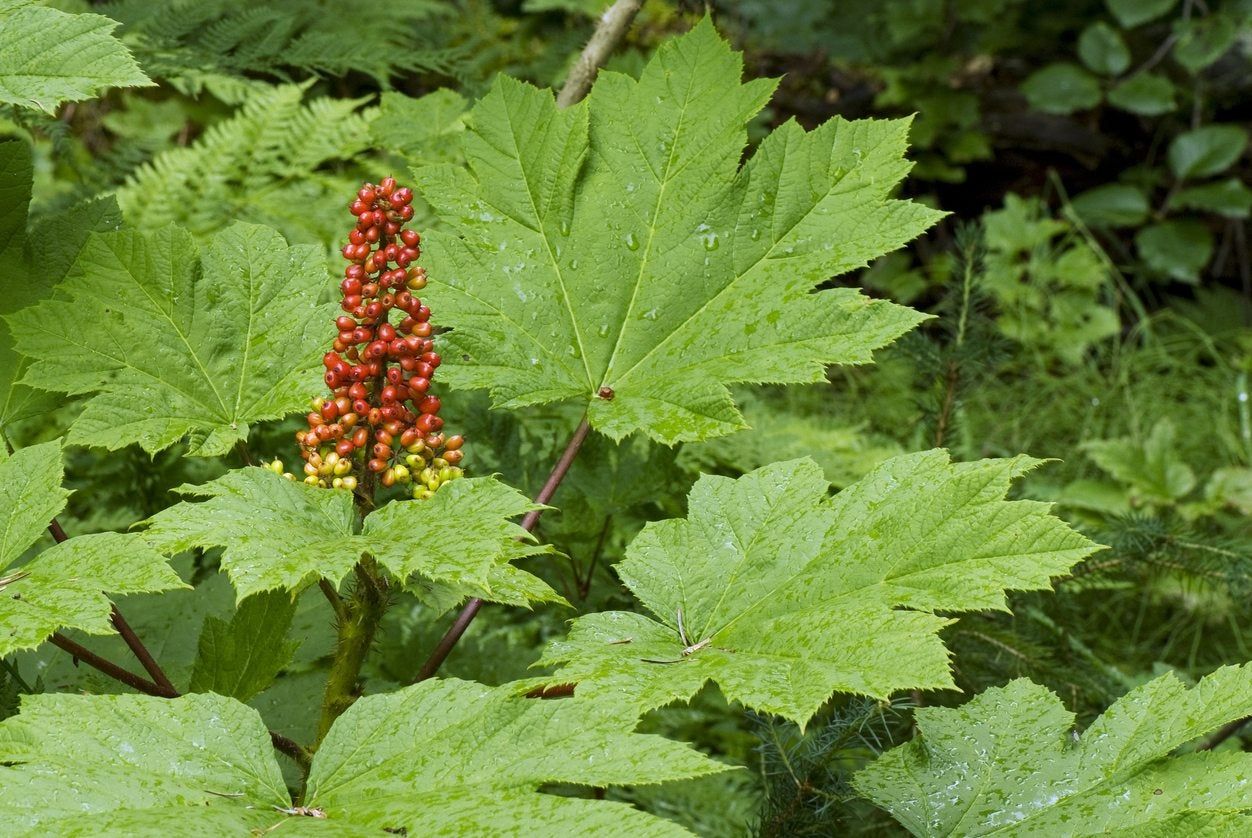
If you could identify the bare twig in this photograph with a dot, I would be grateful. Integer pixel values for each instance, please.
(611, 29)
(470, 611)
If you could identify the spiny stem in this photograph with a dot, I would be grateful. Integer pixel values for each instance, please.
(293, 749)
(470, 611)
(364, 612)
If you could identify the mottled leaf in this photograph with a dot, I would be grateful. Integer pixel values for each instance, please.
(137, 765)
(443, 758)
(451, 757)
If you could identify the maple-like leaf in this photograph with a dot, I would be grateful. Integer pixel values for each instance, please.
(175, 343)
(31, 265)
(62, 587)
(279, 533)
(48, 56)
(783, 595)
(1005, 764)
(617, 252)
(443, 757)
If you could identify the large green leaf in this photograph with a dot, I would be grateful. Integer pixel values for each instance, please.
(443, 757)
(278, 533)
(1005, 764)
(783, 595)
(48, 56)
(63, 586)
(453, 757)
(619, 248)
(137, 765)
(175, 343)
(31, 265)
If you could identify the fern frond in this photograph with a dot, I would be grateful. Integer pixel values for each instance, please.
(285, 39)
(256, 166)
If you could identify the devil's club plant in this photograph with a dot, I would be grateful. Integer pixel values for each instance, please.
(623, 254)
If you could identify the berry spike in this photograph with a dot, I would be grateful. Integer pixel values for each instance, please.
(381, 420)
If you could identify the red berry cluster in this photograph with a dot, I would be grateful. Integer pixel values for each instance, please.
(381, 414)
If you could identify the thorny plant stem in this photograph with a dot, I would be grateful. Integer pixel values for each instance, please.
(357, 621)
(463, 620)
(364, 612)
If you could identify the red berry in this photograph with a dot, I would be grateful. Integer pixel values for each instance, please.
(429, 404)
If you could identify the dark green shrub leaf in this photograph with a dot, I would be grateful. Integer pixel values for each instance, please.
(1102, 49)
(1146, 94)
(1206, 151)
(1131, 13)
(1178, 249)
(1112, 205)
(1062, 88)
(1230, 197)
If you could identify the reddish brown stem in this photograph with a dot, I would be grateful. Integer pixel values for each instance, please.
(145, 658)
(160, 686)
(154, 670)
(292, 749)
(471, 609)
(109, 668)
